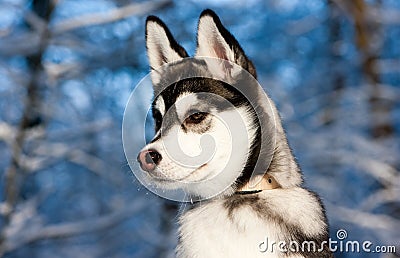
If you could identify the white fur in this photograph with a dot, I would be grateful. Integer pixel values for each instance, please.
(211, 44)
(160, 105)
(184, 103)
(209, 231)
(229, 157)
(158, 49)
(212, 163)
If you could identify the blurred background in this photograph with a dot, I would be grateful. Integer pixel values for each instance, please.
(67, 68)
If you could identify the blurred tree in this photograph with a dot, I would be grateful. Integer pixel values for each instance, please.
(368, 40)
(337, 80)
(31, 115)
(83, 128)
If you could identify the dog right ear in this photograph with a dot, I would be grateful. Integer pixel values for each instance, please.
(161, 47)
(215, 41)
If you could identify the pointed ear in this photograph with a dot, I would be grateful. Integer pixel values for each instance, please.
(214, 40)
(161, 47)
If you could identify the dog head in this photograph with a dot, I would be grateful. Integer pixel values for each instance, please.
(208, 133)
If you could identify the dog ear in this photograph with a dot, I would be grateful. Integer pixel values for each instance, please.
(214, 40)
(161, 47)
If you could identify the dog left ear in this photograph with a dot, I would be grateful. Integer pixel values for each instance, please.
(161, 46)
(214, 40)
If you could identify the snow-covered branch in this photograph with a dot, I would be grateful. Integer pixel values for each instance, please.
(70, 229)
(109, 16)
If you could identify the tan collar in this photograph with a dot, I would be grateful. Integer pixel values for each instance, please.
(258, 184)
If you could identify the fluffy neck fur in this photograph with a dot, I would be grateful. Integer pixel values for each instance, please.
(235, 226)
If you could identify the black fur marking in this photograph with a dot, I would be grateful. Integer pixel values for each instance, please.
(157, 117)
(253, 157)
(238, 201)
(248, 192)
(156, 138)
(289, 231)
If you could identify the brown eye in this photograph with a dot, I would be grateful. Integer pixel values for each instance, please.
(196, 118)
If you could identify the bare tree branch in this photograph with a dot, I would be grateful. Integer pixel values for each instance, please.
(7, 132)
(30, 118)
(107, 17)
(50, 153)
(29, 42)
(70, 229)
(380, 197)
(363, 219)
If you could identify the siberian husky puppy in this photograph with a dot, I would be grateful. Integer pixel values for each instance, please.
(275, 216)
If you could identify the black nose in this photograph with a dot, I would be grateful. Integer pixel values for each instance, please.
(153, 156)
(148, 159)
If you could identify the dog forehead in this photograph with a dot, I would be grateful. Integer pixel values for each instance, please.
(199, 94)
(179, 104)
(185, 102)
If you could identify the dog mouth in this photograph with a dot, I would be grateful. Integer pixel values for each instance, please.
(159, 177)
(193, 173)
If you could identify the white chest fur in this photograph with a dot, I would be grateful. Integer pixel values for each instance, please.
(217, 229)
(210, 231)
